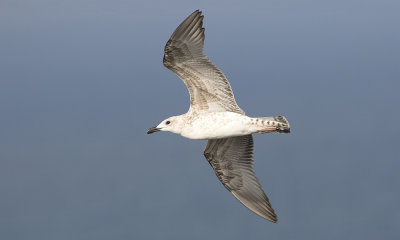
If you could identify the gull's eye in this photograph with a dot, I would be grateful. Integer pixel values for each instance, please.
(167, 122)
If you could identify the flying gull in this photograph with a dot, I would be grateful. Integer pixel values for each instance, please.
(214, 116)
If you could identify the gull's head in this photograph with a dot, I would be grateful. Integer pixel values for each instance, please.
(171, 124)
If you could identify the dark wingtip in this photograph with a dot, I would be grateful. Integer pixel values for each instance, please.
(270, 217)
(273, 218)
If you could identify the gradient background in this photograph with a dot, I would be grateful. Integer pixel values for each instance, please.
(82, 80)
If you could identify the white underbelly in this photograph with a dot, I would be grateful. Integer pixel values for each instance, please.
(218, 125)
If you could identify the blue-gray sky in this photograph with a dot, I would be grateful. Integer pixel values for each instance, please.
(81, 81)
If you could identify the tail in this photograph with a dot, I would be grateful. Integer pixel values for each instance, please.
(275, 124)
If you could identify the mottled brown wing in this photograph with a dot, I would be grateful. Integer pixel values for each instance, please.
(232, 161)
(208, 87)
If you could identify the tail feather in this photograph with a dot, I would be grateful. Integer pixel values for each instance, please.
(279, 122)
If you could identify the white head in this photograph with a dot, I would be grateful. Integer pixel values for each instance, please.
(171, 124)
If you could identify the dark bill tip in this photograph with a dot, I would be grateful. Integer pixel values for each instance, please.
(153, 130)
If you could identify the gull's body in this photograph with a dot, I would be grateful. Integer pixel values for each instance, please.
(214, 116)
(215, 125)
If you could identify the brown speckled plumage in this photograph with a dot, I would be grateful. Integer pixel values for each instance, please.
(214, 115)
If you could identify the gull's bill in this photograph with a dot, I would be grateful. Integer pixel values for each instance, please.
(153, 130)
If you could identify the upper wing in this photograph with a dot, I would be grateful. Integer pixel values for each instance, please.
(232, 160)
(183, 54)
